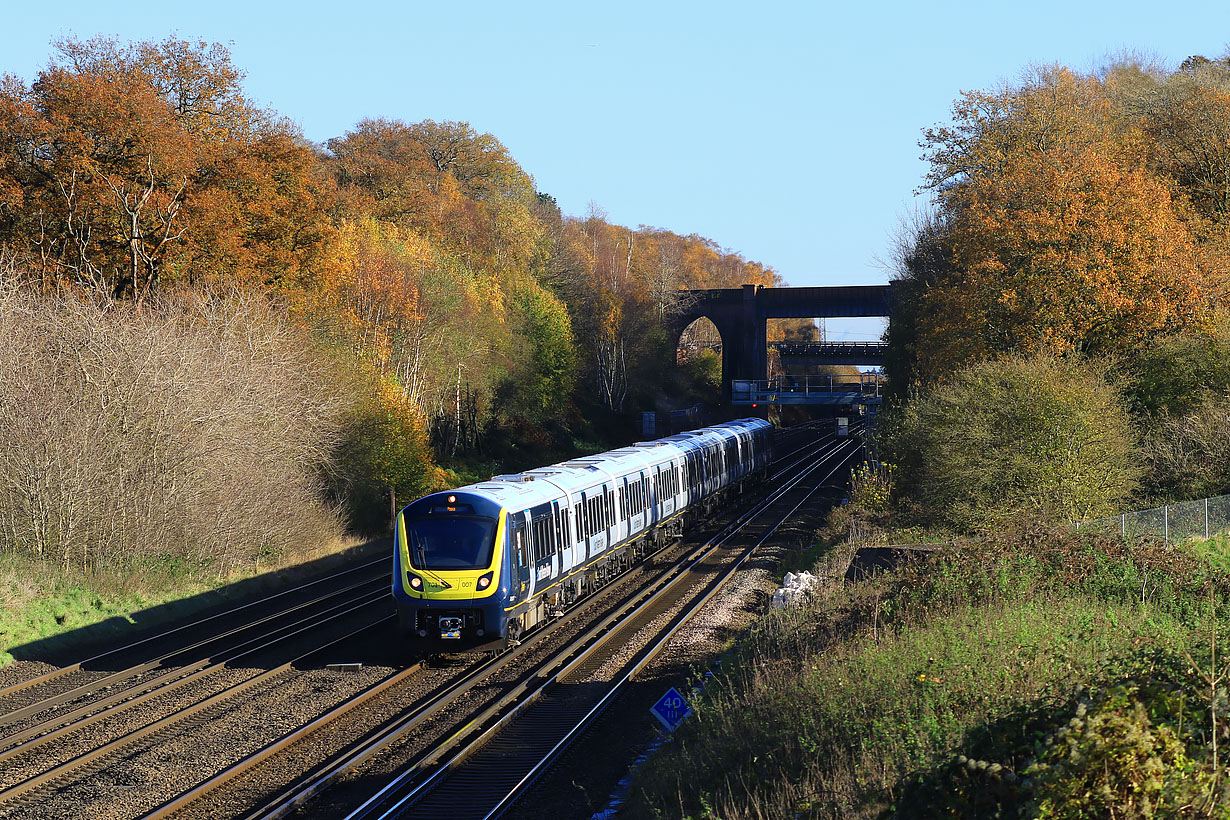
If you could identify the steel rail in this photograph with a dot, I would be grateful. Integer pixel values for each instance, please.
(170, 681)
(68, 768)
(86, 689)
(78, 666)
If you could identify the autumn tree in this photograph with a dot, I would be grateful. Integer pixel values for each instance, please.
(1186, 115)
(459, 188)
(141, 162)
(1057, 236)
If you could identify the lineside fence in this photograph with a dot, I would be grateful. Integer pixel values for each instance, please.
(1171, 522)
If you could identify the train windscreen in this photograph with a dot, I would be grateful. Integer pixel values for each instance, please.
(451, 542)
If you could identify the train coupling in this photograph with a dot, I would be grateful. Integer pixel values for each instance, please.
(450, 628)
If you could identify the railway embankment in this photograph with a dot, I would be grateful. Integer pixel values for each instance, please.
(58, 617)
(1002, 676)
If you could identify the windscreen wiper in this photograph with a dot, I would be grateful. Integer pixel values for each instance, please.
(422, 556)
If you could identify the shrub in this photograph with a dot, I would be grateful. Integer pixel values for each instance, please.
(1175, 374)
(190, 432)
(384, 448)
(1189, 454)
(1036, 437)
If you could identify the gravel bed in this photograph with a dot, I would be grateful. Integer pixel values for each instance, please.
(108, 729)
(66, 684)
(35, 694)
(146, 777)
(21, 671)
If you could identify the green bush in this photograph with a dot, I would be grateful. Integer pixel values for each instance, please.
(1175, 374)
(1033, 437)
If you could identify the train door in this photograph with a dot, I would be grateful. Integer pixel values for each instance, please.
(522, 582)
(668, 488)
(542, 547)
(636, 504)
(582, 522)
(651, 493)
(559, 520)
(603, 512)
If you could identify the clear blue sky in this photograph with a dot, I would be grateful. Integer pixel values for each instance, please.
(785, 131)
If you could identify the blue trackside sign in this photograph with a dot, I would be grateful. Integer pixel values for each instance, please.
(671, 709)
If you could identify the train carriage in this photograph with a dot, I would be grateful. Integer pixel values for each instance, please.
(477, 566)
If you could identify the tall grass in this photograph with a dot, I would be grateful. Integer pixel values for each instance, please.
(858, 705)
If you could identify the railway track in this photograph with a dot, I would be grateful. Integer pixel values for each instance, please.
(42, 723)
(142, 682)
(485, 775)
(413, 719)
(524, 687)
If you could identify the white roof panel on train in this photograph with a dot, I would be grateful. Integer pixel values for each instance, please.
(544, 484)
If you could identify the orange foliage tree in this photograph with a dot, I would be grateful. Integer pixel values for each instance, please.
(1055, 235)
(125, 165)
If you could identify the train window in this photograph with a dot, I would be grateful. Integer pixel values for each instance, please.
(623, 507)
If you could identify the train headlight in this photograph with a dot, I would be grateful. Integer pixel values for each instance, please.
(415, 581)
(485, 581)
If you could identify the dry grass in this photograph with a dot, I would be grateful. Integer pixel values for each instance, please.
(187, 438)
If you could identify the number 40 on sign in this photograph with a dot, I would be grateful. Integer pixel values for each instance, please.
(671, 709)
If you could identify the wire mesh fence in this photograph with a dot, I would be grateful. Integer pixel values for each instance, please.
(1171, 522)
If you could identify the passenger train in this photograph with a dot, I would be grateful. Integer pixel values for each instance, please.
(475, 567)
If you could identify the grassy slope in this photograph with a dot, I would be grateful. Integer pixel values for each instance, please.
(40, 601)
(861, 704)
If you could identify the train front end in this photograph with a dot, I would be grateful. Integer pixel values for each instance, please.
(449, 572)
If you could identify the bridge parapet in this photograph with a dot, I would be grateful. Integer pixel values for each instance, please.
(868, 353)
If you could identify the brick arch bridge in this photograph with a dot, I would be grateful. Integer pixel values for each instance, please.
(741, 314)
